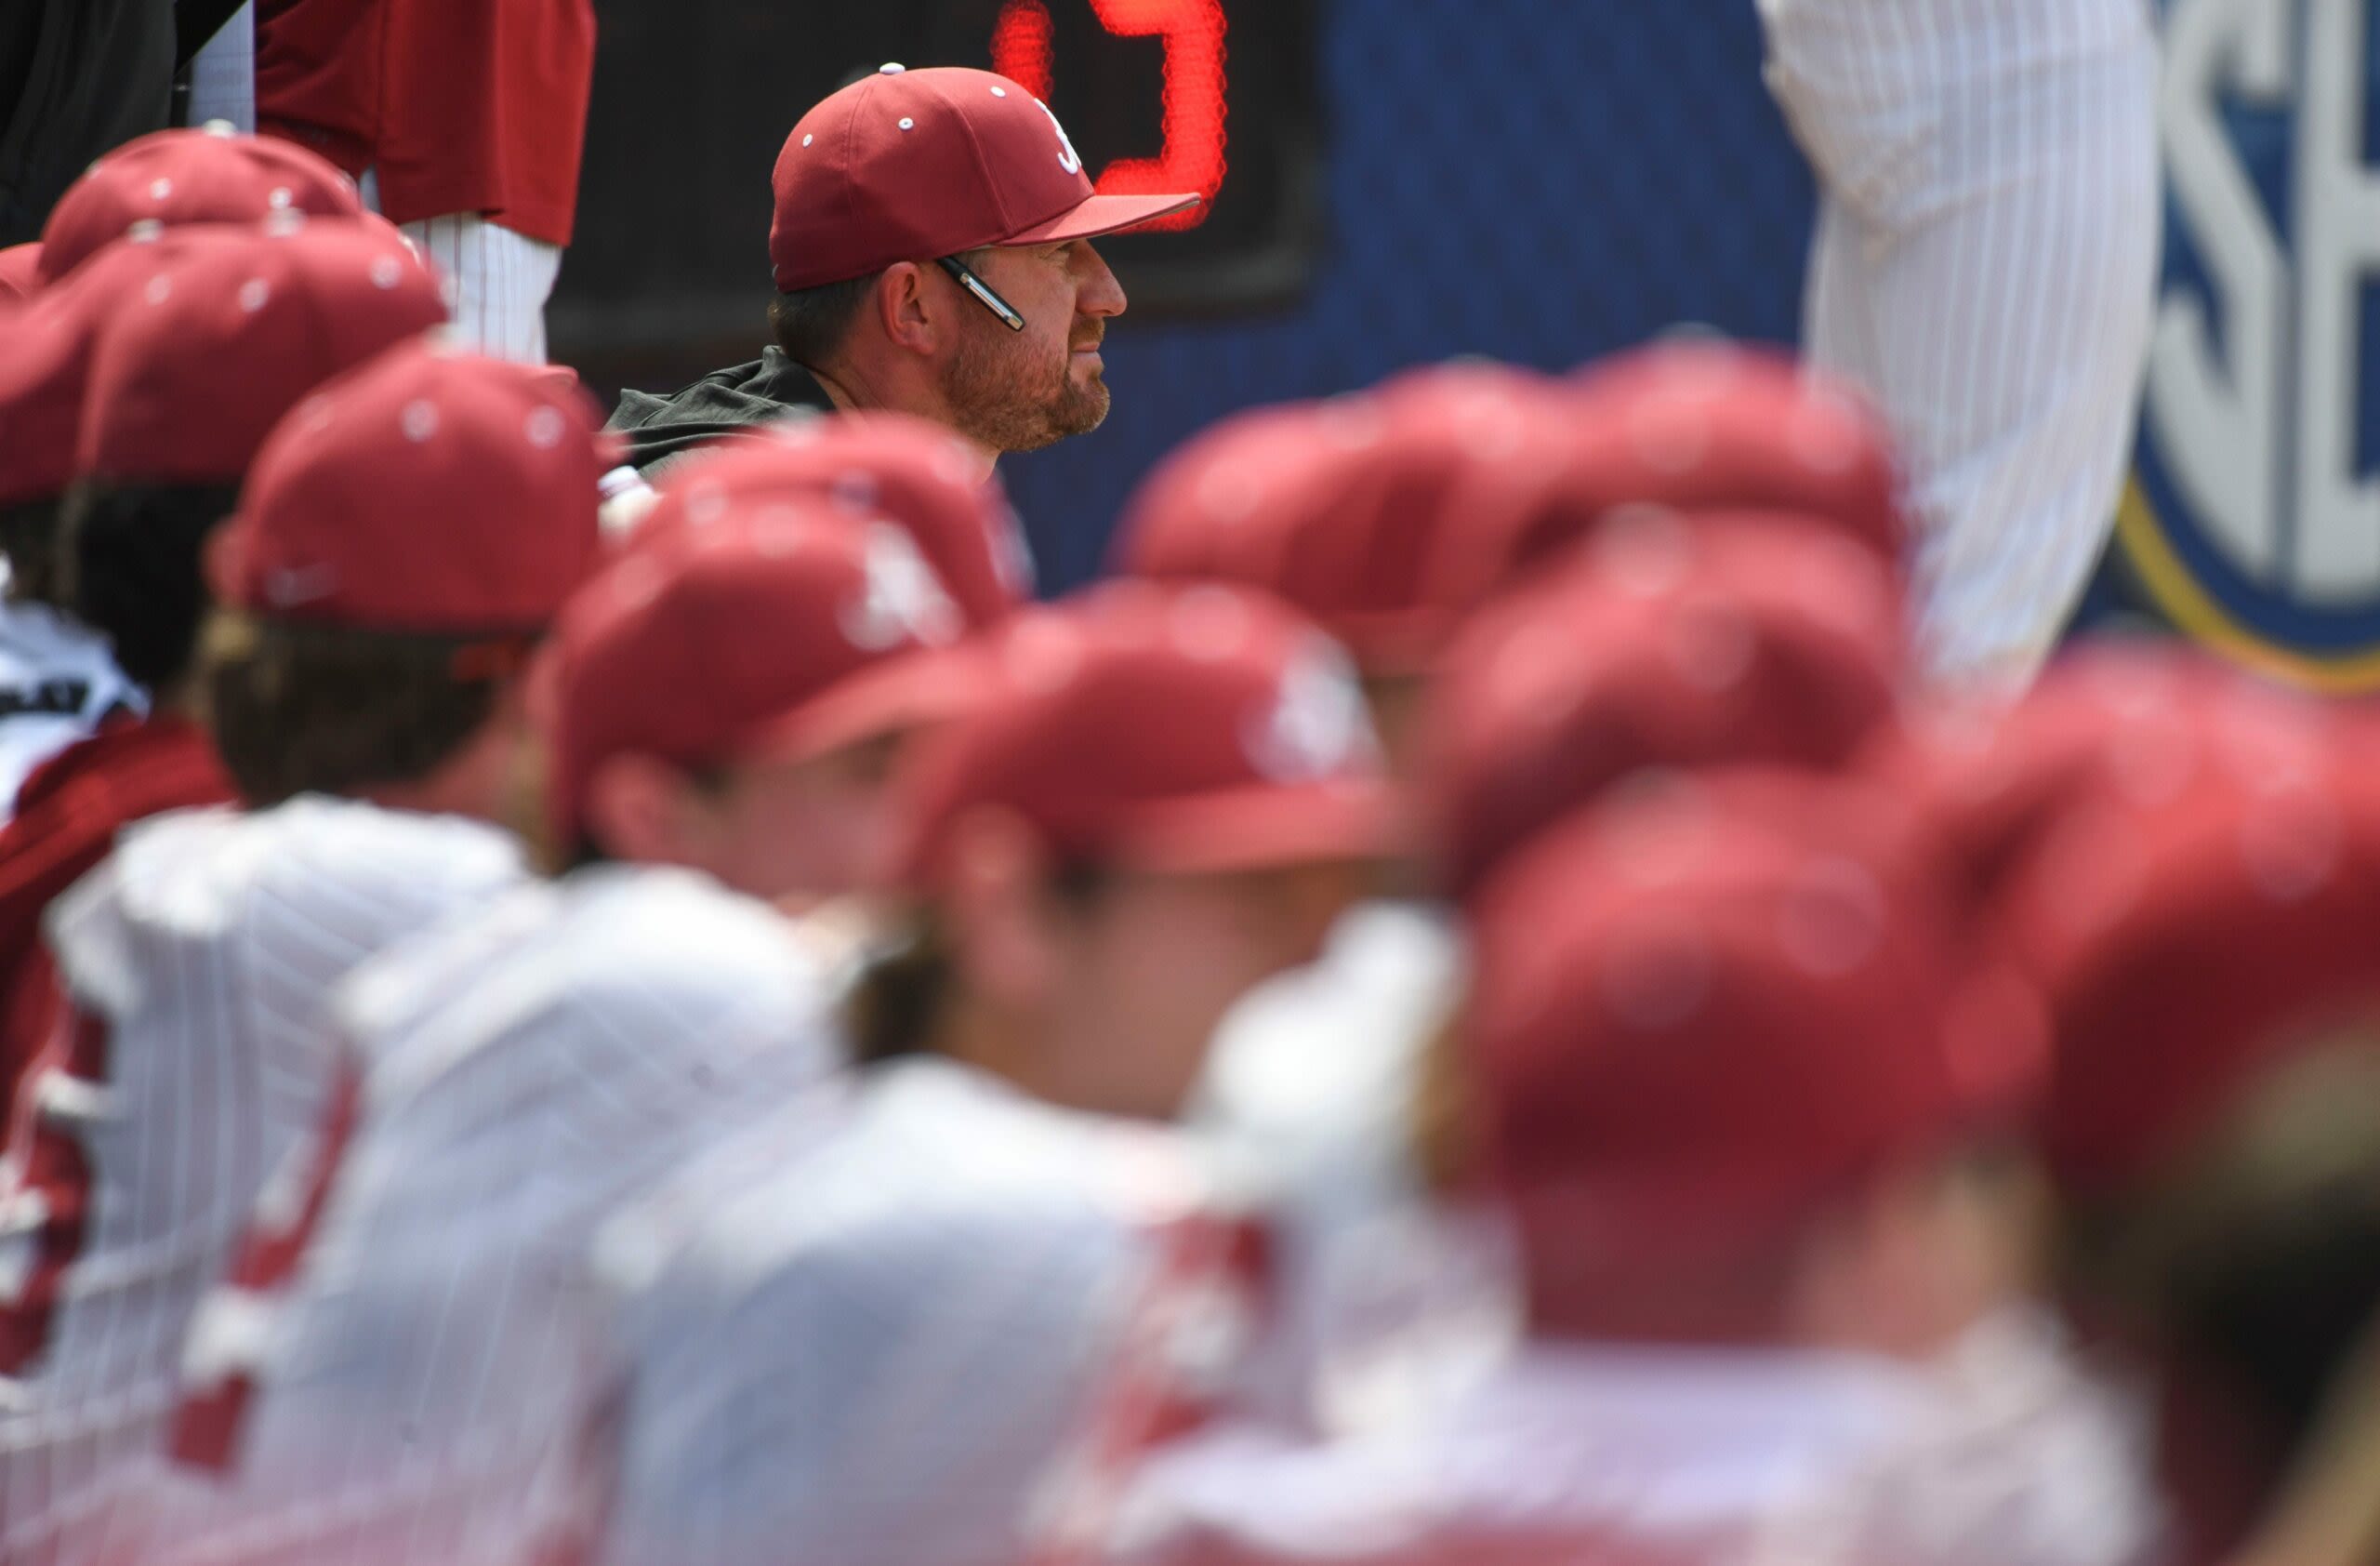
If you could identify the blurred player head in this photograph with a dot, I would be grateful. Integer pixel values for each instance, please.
(403, 539)
(173, 179)
(166, 433)
(1687, 428)
(1730, 1071)
(1165, 796)
(870, 467)
(730, 696)
(1735, 639)
(932, 251)
(2189, 864)
(1343, 509)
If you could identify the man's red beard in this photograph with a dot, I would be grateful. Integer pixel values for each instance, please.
(1003, 396)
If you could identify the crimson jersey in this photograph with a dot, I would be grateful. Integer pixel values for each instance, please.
(195, 964)
(390, 1372)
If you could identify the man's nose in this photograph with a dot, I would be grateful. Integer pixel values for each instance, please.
(1096, 291)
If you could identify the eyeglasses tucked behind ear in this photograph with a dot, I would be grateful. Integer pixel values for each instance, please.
(982, 292)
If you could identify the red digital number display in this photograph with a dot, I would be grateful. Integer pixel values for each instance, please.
(1196, 106)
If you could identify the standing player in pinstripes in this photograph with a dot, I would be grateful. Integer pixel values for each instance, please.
(401, 536)
(391, 1373)
(1985, 266)
(465, 122)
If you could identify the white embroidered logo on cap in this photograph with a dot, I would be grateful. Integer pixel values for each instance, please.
(1315, 727)
(904, 601)
(289, 585)
(1068, 158)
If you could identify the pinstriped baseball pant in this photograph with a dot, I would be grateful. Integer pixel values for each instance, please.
(1985, 265)
(498, 281)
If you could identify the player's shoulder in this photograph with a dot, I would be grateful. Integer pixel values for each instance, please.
(198, 873)
(938, 1229)
(922, 1166)
(617, 958)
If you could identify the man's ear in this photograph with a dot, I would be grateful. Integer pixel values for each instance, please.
(639, 809)
(913, 318)
(998, 923)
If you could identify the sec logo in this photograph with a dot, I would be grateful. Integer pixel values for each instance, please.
(2254, 520)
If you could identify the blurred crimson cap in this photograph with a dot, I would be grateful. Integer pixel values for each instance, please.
(779, 628)
(868, 467)
(1342, 508)
(19, 270)
(1744, 639)
(228, 328)
(46, 351)
(173, 177)
(428, 491)
(1700, 1015)
(2198, 903)
(1168, 729)
(1210, 510)
(1685, 426)
(2128, 720)
(909, 165)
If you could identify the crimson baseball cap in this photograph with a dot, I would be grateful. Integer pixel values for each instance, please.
(173, 177)
(1344, 508)
(868, 467)
(21, 271)
(427, 491)
(2190, 942)
(777, 628)
(228, 328)
(907, 165)
(2127, 721)
(46, 349)
(1683, 427)
(1168, 729)
(1744, 639)
(1698, 1016)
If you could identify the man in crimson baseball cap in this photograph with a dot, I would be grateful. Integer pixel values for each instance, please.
(59, 676)
(403, 537)
(1731, 1075)
(730, 694)
(144, 332)
(167, 434)
(2192, 901)
(931, 253)
(1160, 799)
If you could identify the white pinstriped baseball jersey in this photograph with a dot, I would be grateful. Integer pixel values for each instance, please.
(1985, 266)
(198, 960)
(1610, 1454)
(389, 1375)
(921, 1331)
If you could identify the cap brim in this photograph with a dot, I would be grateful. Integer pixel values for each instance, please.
(912, 690)
(1265, 827)
(1103, 214)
